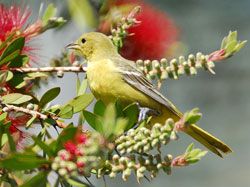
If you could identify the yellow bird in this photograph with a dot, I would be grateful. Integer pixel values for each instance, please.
(112, 77)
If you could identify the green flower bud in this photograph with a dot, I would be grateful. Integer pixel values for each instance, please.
(191, 59)
(164, 63)
(173, 136)
(62, 171)
(126, 174)
(159, 166)
(71, 166)
(154, 142)
(62, 164)
(112, 175)
(164, 136)
(131, 164)
(142, 169)
(120, 147)
(193, 71)
(146, 148)
(60, 74)
(54, 166)
(30, 106)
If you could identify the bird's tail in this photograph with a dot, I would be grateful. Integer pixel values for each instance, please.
(209, 141)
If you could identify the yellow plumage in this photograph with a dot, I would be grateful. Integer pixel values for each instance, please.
(112, 77)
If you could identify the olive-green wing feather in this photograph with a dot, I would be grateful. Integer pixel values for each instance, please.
(136, 79)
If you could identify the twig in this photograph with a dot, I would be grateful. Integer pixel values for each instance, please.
(49, 69)
(39, 115)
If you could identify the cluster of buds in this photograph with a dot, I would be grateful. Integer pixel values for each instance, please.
(80, 156)
(140, 164)
(143, 140)
(135, 150)
(163, 69)
(121, 31)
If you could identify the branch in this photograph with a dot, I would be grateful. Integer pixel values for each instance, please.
(49, 69)
(39, 115)
(163, 69)
(7, 108)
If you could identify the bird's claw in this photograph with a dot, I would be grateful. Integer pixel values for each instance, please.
(144, 113)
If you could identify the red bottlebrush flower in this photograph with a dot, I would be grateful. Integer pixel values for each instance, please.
(17, 119)
(70, 147)
(81, 138)
(13, 20)
(80, 164)
(152, 38)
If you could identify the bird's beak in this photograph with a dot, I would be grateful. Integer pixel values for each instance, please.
(73, 46)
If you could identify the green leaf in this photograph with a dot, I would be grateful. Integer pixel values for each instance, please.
(49, 13)
(30, 122)
(82, 13)
(5, 43)
(38, 180)
(5, 76)
(109, 121)
(9, 76)
(19, 61)
(67, 134)
(25, 161)
(79, 103)
(66, 112)
(192, 116)
(10, 57)
(189, 148)
(99, 108)
(3, 116)
(35, 75)
(18, 82)
(119, 109)
(11, 50)
(121, 125)
(83, 87)
(4, 139)
(44, 147)
(131, 112)
(94, 121)
(15, 98)
(49, 96)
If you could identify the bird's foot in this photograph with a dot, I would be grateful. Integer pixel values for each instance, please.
(145, 113)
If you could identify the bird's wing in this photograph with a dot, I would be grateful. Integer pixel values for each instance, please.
(136, 79)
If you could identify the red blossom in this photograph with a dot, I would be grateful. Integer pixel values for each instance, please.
(152, 38)
(80, 164)
(70, 147)
(81, 138)
(13, 20)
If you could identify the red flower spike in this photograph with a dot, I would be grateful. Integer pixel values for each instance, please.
(70, 147)
(80, 164)
(13, 20)
(152, 38)
(81, 138)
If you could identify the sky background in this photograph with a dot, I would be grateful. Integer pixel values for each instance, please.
(222, 98)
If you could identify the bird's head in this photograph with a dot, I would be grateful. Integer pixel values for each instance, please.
(93, 45)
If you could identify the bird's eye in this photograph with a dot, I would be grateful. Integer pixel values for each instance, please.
(83, 40)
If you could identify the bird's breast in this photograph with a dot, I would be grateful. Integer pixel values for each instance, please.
(103, 80)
